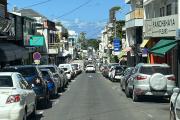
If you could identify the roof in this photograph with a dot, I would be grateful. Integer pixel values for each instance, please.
(6, 73)
(47, 66)
(31, 13)
(146, 64)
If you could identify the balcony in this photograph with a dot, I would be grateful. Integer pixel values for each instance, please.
(135, 18)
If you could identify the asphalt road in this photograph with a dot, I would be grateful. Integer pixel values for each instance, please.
(92, 97)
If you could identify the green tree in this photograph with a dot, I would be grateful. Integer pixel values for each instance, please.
(82, 40)
(93, 43)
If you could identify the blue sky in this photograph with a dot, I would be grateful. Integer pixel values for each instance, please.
(90, 18)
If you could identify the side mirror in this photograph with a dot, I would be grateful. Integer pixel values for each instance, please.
(176, 90)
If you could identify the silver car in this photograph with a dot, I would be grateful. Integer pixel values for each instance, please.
(151, 80)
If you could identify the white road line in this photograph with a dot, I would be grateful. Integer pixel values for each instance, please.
(90, 76)
(149, 115)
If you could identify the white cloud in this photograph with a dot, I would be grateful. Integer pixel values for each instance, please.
(91, 28)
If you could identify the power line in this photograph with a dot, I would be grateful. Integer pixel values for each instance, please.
(73, 10)
(36, 4)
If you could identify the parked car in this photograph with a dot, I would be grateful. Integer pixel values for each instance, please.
(175, 105)
(77, 68)
(123, 82)
(110, 68)
(116, 73)
(90, 68)
(52, 85)
(57, 77)
(63, 73)
(105, 71)
(69, 70)
(151, 80)
(18, 100)
(33, 76)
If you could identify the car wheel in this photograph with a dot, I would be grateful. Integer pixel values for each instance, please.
(172, 114)
(33, 114)
(127, 92)
(135, 97)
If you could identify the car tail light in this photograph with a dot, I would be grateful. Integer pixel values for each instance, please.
(139, 77)
(171, 78)
(13, 99)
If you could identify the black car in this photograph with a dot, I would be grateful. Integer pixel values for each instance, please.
(33, 76)
(56, 74)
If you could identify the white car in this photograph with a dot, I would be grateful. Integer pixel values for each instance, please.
(175, 105)
(17, 98)
(90, 68)
(68, 70)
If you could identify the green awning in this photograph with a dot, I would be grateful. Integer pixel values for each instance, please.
(163, 46)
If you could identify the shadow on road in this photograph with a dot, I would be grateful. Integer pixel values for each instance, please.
(148, 99)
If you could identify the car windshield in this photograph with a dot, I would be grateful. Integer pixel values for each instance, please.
(156, 69)
(45, 74)
(27, 71)
(52, 69)
(6, 81)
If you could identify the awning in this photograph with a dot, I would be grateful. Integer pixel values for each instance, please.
(163, 46)
(11, 52)
(143, 44)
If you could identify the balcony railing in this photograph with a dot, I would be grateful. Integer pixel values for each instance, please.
(138, 13)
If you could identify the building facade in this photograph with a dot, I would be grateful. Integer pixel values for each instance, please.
(161, 28)
(134, 28)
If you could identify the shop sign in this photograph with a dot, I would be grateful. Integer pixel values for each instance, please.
(116, 43)
(161, 26)
(4, 25)
(53, 51)
(36, 41)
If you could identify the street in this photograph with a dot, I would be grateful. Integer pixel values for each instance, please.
(92, 97)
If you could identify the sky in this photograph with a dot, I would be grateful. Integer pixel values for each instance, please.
(89, 16)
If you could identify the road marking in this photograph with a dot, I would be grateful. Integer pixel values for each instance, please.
(90, 76)
(149, 115)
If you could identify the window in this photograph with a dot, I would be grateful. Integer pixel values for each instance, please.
(169, 9)
(6, 81)
(23, 84)
(156, 69)
(162, 12)
(176, 7)
(2, 10)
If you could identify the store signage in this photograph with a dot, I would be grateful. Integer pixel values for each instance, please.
(4, 25)
(161, 26)
(36, 41)
(116, 44)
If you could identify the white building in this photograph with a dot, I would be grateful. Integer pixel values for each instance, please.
(72, 40)
(134, 27)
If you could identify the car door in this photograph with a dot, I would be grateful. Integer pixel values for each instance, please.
(29, 94)
(177, 107)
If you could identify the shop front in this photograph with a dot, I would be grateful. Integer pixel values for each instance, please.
(163, 45)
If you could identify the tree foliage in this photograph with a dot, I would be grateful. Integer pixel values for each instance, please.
(93, 43)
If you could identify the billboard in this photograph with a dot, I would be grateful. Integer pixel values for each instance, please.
(36, 41)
